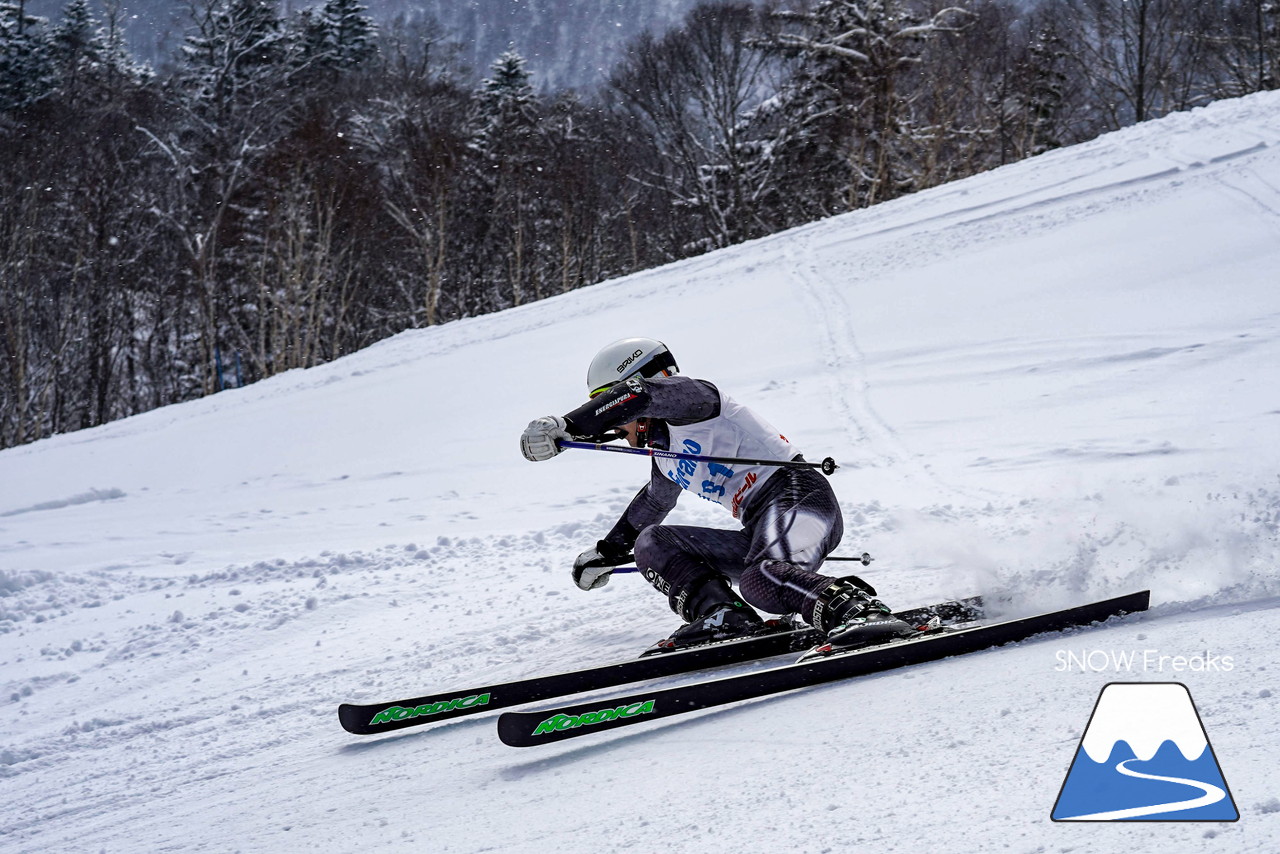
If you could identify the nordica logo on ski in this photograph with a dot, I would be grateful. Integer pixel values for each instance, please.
(402, 713)
(562, 722)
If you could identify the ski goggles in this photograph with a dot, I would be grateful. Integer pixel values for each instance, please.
(605, 388)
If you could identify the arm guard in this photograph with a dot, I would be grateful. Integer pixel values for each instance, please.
(676, 400)
(621, 404)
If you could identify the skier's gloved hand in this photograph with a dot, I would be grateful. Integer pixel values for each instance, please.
(538, 442)
(594, 566)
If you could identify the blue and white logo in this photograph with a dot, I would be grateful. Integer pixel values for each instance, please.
(1145, 756)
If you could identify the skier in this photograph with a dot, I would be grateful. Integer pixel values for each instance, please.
(790, 517)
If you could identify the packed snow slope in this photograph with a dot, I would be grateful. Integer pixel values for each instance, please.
(1050, 383)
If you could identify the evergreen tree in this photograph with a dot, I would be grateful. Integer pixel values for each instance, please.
(235, 58)
(26, 68)
(338, 36)
(350, 32)
(506, 106)
(75, 43)
(1045, 92)
(504, 153)
(121, 67)
(90, 59)
(233, 102)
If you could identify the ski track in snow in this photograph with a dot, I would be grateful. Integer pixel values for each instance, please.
(846, 366)
(172, 651)
(874, 249)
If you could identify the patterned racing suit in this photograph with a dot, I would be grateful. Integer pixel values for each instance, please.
(790, 517)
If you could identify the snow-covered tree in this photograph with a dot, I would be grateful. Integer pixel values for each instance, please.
(91, 60)
(232, 102)
(505, 162)
(843, 126)
(506, 105)
(335, 37)
(417, 135)
(26, 69)
(1045, 92)
(349, 32)
(687, 94)
(74, 44)
(236, 55)
(122, 67)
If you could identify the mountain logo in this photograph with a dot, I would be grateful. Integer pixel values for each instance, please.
(1145, 756)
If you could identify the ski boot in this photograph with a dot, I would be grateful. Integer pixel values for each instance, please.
(713, 613)
(852, 617)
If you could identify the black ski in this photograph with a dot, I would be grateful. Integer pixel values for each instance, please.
(525, 729)
(385, 717)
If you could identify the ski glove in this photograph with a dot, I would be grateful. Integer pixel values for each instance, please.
(538, 442)
(594, 566)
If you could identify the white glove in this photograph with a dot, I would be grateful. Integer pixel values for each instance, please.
(538, 442)
(594, 566)
(591, 577)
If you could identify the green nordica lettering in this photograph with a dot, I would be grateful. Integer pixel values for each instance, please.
(401, 713)
(563, 722)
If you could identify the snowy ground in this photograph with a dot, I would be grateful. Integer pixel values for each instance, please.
(1053, 382)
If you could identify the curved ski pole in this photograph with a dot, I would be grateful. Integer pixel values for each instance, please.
(827, 466)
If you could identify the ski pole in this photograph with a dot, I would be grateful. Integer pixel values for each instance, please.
(864, 559)
(827, 466)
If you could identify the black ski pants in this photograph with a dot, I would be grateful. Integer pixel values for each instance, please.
(789, 528)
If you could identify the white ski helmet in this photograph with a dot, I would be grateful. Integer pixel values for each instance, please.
(626, 358)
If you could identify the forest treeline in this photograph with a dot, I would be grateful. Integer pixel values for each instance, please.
(291, 187)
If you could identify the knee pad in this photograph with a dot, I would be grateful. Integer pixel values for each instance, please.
(647, 549)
